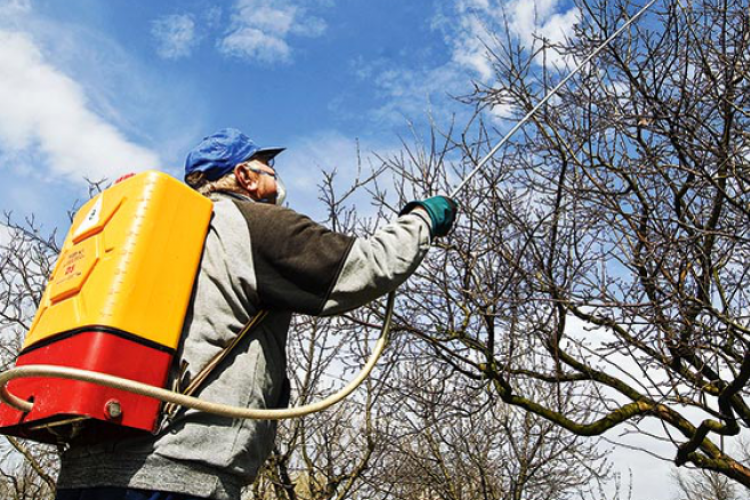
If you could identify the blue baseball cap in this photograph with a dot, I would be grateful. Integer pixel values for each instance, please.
(217, 154)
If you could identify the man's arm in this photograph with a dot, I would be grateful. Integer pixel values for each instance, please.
(381, 263)
(303, 267)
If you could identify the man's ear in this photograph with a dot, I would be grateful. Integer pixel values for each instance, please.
(248, 181)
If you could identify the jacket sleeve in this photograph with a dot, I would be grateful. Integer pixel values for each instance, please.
(381, 263)
(303, 267)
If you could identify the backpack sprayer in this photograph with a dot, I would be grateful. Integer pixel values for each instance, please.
(98, 354)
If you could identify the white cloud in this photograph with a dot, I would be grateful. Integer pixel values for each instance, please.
(560, 26)
(175, 35)
(9, 8)
(472, 30)
(469, 50)
(542, 19)
(254, 44)
(259, 30)
(46, 118)
(413, 92)
(476, 22)
(307, 156)
(212, 16)
(301, 164)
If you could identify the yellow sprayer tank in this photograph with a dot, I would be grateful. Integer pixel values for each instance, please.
(114, 304)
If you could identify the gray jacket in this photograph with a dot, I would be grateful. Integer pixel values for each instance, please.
(256, 256)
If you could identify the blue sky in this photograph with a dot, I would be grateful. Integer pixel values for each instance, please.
(95, 89)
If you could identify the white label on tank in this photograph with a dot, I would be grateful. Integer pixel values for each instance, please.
(92, 218)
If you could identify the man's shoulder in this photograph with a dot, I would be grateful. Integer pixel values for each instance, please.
(266, 214)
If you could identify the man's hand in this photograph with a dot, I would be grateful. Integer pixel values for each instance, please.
(442, 211)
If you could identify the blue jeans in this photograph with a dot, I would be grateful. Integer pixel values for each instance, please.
(107, 493)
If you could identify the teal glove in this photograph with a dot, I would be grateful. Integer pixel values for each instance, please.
(442, 212)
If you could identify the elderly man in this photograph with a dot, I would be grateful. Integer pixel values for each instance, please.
(257, 255)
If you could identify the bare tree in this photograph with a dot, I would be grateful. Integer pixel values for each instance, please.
(602, 257)
(452, 442)
(20, 479)
(28, 469)
(705, 485)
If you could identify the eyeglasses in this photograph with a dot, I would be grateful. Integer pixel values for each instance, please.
(261, 171)
(280, 196)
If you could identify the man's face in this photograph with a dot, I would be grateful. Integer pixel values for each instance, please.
(263, 186)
